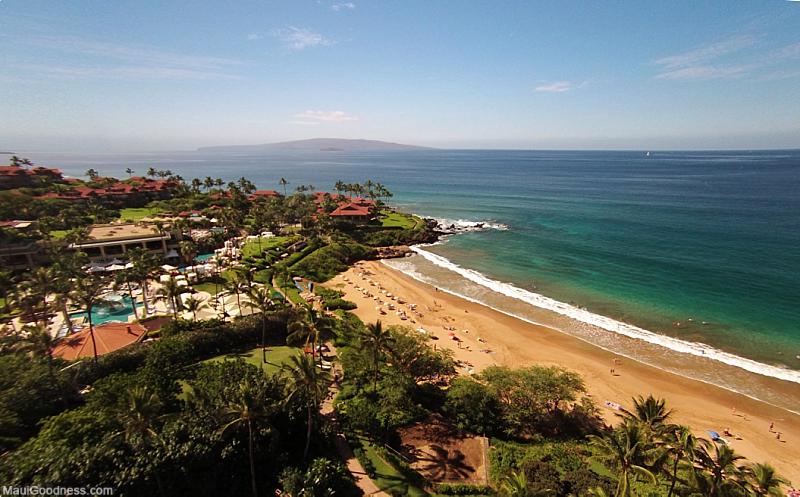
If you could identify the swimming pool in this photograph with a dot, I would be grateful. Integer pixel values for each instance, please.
(119, 310)
(203, 257)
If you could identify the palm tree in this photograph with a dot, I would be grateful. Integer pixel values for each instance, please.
(262, 300)
(236, 285)
(283, 183)
(39, 342)
(39, 286)
(626, 449)
(92, 174)
(129, 171)
(139, 415)
(245, 410)
(151, 172)
(170, 291)
(310, 385)
(376, 341)
(123, 279)
(650, 413)
(716, 469)
(86, 291)
(763, 481)
(144, 265)
(188, 251)
(193, 304)
(679, 444)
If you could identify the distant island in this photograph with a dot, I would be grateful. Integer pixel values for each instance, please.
(314, 144)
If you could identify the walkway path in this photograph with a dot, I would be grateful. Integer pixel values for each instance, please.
(362, 479)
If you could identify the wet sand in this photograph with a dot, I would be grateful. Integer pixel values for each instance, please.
(487, 337)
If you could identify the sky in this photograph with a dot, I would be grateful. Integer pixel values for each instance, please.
(125, 76)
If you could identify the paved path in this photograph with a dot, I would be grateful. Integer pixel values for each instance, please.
(363, 481)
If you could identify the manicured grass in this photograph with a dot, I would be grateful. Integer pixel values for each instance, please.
(133, 214)
(391, 219)
(252, 249)
(388, 478)
(276, 357)
(290, 290)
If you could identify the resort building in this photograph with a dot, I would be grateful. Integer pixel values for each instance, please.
(108, 337)
(108, 241)
(264, 194)
(352, 212)
(20, 177)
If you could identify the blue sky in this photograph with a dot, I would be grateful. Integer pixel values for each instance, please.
(95, 76)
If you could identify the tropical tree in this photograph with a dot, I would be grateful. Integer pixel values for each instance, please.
(151, 171)
(261, 299)
(763, 481)
(245, 410)
(307, 384)
(144, 266)
(170, 292)
(39, 342)
(717, 469)
(649, 413)
(625, 449)
(193, 304)
(679, 444)
(283, 183)
(92, 174)
(375, 341)
(87, 291)
(125, 279)
(139, 416)
(129, 171)
(38, 286)
(188, 250)
(236, 285)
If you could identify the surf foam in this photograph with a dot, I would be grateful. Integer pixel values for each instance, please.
(609, 324)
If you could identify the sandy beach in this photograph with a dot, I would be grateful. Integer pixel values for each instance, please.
(486, 337)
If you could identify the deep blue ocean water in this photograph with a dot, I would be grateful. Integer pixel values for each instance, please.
(677, 237)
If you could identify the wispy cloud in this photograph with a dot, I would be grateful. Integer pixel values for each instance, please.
(254, 36)
(343, 6)
(708, 61)
(122, 72)
(706, 53)
(317, 116)
(301, 38)
(735, 57)
(559, 87)
(102, 59)
(138, 54)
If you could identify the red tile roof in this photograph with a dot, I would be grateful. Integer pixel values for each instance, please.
(109, 337)
(351, 209)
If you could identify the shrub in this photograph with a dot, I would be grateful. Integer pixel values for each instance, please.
(463, 489)
(472, 406)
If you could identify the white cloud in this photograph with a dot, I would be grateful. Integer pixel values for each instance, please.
(317, 116)
(706, 53)
(254, 36)
(343, 6)
(559, 87)
(301, 38)
(706, 72)
(305, 123)
(137, 54)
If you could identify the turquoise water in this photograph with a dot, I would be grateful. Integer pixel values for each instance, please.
(203, 257)
(652, 242)
(103, 314)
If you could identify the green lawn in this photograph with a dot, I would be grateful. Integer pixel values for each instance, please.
(276, 357)
(391, 219)
(291, 291)
(252, 249)
(388, 478)
(133, 214)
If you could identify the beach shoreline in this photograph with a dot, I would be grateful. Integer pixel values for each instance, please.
(481, 336)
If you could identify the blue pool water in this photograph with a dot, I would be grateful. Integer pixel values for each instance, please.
(103, 314)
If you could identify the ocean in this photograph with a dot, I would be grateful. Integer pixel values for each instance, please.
(689, 261)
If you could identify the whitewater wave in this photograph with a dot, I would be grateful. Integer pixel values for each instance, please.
(609, 324)
(464, 225)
